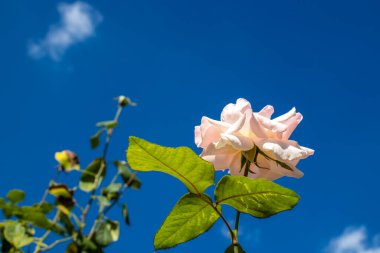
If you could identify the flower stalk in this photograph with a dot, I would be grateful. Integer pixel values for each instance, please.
(245, 164)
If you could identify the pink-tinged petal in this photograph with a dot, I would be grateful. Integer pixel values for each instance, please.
(234, 138)
(266, 174)
(273, 175)
(238, 142)
(221, 158)
(308, 151)
(267, 111)
(209, 131)
(284, 150)
(222, 125)
(286, 116)
(237, 125)
(271, 170)
(271, 125)
(242, 104)
(197, 136)
(232, 112)
(255, 129)
(292, 123)
(235, 165)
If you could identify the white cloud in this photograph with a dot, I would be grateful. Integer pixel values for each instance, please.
(253, 236)
(354, 240)
(78, 22)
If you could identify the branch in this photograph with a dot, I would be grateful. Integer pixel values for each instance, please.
(56, 243)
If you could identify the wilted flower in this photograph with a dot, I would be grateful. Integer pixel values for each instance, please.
(64, 197)
(262, 140)
(68, 160)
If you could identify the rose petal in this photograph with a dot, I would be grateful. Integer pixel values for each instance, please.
(238, 142)
(271, 170)
(253, 126)
(292, 123)
(232, 112)
(234, 168)
(286, 116)
(209, 131)
(197, 136)
(222, 158)
(243, 104)
(267, 111)
(236, 126)
(271, 125)
(285, 150)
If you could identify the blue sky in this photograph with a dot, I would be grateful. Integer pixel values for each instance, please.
(182, 60)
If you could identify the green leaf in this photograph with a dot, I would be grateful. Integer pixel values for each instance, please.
(16, 196)
(109, 124)
(128, 177)
(39, 219)
(65, 220)
(32, 215)
(93, 175)
(44, 207)
(111, 192)
(9, 210)
(234, 249)
(95, 139)
(87, 246)
(15, 233)
(126, 214)
(14, 250)
(2, 203)
(182, 163)
(191, 216)
(257, 197)
(102, 201)
(107, 233)
(5, 245)
(72, 248)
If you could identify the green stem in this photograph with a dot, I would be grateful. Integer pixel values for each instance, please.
(105, 149)
(244, 164)
(106, 210)
(115, 178)
(46, 193)
(47, 233)
(214, 206)
(109, 132)
(98, 219)
(56, 243)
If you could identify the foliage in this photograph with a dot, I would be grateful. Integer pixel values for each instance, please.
(58, 212)
(196, 212)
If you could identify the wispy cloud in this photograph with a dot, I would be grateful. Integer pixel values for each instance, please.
(78, 22)
(251, 237)
(354, 240)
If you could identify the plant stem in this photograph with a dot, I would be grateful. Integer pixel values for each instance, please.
(110, 131)
(98, 218)
(47, 233)
(214, 206)
(105, 149)
(56, 243)
(106, 210)
(233, 235)
(245, 164)
(115, 178)
(237, 222)
(46, 193)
